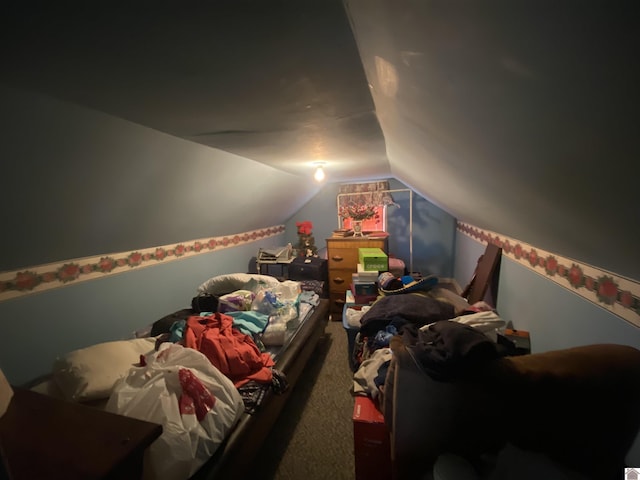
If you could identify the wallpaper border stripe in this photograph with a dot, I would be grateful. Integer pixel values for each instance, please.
(617, 294)
(35, 279)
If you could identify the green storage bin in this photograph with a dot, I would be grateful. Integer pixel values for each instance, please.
(373, 259)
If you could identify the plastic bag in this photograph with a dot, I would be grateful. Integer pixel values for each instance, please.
(270, 299)
(282, 323)
(237, 301)
(155, 393)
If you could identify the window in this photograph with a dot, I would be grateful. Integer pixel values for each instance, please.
(364, 196)
(375, 224)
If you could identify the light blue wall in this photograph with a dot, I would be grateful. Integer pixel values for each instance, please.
(555, 316)
(433, 233)
(41, 326)
(76, 182)
(321, 211)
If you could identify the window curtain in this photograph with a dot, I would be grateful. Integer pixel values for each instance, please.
(370, 193)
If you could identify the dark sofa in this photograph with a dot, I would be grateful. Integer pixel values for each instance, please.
(576, 408)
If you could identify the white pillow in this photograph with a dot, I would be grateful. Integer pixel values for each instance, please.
(90, 373)
(223, 284)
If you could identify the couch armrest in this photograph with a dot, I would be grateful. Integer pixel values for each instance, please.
(427, 418)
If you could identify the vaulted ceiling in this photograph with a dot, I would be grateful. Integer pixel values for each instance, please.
(518, 117)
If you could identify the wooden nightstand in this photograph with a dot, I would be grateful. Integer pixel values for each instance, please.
(43, 437)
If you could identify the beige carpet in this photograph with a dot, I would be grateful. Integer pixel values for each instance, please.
(313, 438)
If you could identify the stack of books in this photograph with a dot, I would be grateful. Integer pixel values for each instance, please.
(342, 232)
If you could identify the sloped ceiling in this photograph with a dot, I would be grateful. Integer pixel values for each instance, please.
(518, 117)
(279, 82)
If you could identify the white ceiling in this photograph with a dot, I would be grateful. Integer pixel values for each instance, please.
(518, 117)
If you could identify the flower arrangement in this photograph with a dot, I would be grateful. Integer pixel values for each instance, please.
(357, 211)
(306, 243)
(304, 228)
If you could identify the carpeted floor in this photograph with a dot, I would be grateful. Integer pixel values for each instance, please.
(313, 437)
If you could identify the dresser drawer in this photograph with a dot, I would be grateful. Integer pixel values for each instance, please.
(337, 301)
(340, 279)
(343, 258)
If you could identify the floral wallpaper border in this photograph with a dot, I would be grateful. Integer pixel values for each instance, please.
(617, 294)
(43, 277)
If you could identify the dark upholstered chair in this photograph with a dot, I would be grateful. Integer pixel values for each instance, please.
(579, 407)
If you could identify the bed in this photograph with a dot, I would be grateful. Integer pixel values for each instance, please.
(231, 456)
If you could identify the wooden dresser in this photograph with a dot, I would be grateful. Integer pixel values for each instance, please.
(342, 254)
(44, 437)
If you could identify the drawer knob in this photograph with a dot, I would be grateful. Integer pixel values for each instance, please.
(338, 280)
(337, 258)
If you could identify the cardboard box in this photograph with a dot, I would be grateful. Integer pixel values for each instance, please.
(366, 275)
(373, 259)
(371, 441)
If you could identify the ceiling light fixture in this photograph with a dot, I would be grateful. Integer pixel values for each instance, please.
(319, 173)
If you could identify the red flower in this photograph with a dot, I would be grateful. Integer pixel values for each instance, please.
(225, 242)
(626, 299)
(197, 246)
(304, 228)
(517, 251)
(590, 283)
(212, 243)
(179, 250)
(533, 258)
(68, 272)
(106, 264)
(551, 265)
(26, 280)
(576, 277)
(49, 277)
(134, 259)
(160, 254)
(607, 290)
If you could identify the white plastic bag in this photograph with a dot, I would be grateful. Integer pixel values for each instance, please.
(154, 392)
(270, 299)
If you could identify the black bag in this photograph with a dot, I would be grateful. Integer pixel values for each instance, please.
(204, 302)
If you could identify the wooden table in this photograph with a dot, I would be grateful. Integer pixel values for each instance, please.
(43, 437)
